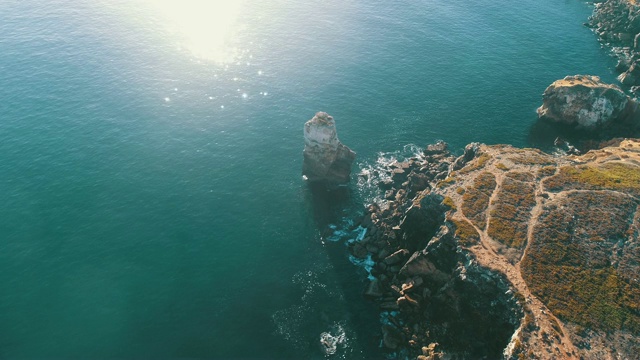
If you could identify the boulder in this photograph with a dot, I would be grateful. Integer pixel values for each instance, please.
(391, 337)
(420, 265)
(470, 152)
(396, 257)
(422, 220)
(631, 76)
(326, 159)
(440, 147)
(359, 250)
(373, 289)
(585, 102)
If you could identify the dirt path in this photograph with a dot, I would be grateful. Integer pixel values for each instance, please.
(550, 334)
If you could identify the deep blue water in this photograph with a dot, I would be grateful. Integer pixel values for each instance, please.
(151, 201)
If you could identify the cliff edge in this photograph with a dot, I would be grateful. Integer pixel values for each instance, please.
(510, 253)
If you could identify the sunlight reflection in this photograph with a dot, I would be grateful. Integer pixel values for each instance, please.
(206, 26)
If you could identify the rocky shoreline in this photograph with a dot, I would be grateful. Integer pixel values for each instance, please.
(617, 25)
(458, 244)
(433, 293)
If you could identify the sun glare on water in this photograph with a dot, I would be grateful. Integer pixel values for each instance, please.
(206, 26)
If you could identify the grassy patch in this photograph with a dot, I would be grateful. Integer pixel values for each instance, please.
(447, 182)
(475, 164)
(502, 167)
(546, 171)
(614, 176)
(466, 233)
(476, 199)
(512, 209)
(524, 176)
(569, 263)
(532, 157)
(449, 202)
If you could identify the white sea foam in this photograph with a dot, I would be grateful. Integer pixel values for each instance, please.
(366, 263)
(371, 174)
(329, 342)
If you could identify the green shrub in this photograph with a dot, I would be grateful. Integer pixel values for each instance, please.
(465, 232)
(512, 210)
(569, 262)
(477, 163)
(614, 176)
(476, 198)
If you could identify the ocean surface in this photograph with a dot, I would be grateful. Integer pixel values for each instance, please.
(151, 199)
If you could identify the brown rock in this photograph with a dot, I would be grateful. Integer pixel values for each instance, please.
(396, 257)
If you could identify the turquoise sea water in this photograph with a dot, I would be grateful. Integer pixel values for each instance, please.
(151, 201)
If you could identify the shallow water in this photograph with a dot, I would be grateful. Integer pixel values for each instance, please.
(151, 202)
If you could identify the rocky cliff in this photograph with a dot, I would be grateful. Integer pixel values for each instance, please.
(507, 252)
(586, 102)
(515, 253)
(326, 159)
(617, 24)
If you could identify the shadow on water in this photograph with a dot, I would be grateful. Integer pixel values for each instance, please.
(327, 202)
(332, 207)
(543, 134)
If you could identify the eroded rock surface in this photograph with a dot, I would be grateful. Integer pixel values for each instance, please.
(617, 24)
(444, 298)
(326, 159)
(525, 254)
(585, 101)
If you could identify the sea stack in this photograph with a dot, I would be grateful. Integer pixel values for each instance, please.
(585, 102)
(326, 159)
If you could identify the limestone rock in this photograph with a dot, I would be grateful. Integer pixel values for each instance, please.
(584, 101)
(439, 147)
(326, 159)
(373, 290)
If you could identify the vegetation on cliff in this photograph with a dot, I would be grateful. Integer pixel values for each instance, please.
(573, 264)
(512, 208)
(612, 175)
(476, 198)
(566, 229)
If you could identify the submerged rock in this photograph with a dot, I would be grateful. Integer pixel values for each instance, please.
(326, 159)
(329, 342)
(584, 101)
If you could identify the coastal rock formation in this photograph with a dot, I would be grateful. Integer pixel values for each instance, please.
(326, 159)
(515, 261)
(617, 24)
(584, 101)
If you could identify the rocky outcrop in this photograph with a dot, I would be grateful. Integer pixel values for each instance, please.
(443, 297)
(565, 289)
(326, 159)
(617, 24)
(585, 102)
